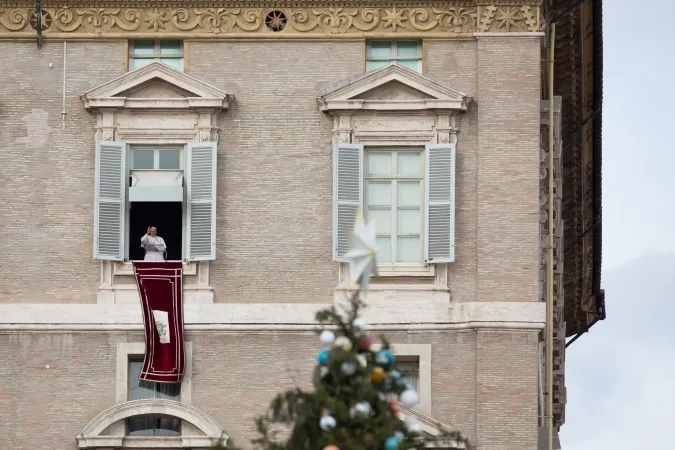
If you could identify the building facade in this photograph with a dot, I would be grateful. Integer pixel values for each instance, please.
(249, 134)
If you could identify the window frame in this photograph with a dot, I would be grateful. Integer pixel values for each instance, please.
(157, 53)
(394, 58)
(394, 207)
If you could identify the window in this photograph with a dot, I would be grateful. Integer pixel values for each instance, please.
(141, 389)
(410, 372)
(144, 52)
(146, 186)
(394, 197)
(408, 192)
(383, 53)
(163, 158)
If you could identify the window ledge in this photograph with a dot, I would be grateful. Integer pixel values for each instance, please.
(406, 271)
(126, 268)
(397, 287)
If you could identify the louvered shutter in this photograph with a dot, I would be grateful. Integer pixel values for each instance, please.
(201, 201)
(110, 200)
(440, 203)
(347, 194)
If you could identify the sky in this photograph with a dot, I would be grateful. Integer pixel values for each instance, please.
(620, 376)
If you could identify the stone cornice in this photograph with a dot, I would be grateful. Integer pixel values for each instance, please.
(313, 20)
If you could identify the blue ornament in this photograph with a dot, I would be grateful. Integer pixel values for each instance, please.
(391, 443)
(394, 374)
(323, 357)
(384, 359)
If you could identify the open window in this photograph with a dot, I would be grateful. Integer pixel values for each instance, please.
(169, 187)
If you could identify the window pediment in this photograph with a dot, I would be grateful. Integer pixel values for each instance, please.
(156, 86)
(391, 88)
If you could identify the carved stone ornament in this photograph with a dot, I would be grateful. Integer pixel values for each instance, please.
(86, 19)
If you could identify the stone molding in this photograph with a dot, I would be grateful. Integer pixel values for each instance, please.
(115, 19)
(435, 428)
(393, 310)
(91, 437)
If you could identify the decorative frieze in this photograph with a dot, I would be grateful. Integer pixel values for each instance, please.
(87, 22)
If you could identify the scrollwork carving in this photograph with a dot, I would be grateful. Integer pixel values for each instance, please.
(318, 20)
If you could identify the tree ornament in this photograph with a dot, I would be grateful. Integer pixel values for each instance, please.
(348, 368)
(394, 375)
(330, 447)
(360, 324)
(393, 406)
(384, 359)
(412, 424)
(363, 408)
(377, 375)
(398, 435)
(327, 337)
(327, 423)
(410, 398)
(365, 342)
(323, 357)
(344, 342)
(391, 443)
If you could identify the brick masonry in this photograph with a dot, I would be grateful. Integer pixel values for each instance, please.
(274, 231)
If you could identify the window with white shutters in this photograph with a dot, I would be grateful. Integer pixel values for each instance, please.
(440, 203)
(201, 201)
(186, 220)
(347, 194)
(110, 200)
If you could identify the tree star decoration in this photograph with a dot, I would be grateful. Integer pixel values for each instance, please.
(361, 256)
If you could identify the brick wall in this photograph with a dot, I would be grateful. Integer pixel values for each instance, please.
(236, 375)
(275, 171)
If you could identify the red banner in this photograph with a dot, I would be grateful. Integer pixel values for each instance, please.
(160, 285)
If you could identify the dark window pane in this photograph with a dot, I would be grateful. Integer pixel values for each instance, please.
(154, 426)
(139, 389)
(169, 391)
(144, 159)
(169, 159)
(170, 47)
(168, 427)
(143, 47)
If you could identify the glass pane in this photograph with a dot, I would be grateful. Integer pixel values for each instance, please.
(168, 427)
(411, 64)
(408, 221)
(380, 49)
(143, 48)
(408, 193)
(372, 65)
(383, 249)
(169, 159)
(409, 163)
(144, 159)
(139, 389)
(176, 63)
(409, 374)
(382, 218)
(141, 427)
(379, 193)
(379, 163)
(406, 49)
(408, 249)
(139, 62)
(170, 48)
(169, 391)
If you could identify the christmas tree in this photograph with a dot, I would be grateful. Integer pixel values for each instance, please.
(357, 389)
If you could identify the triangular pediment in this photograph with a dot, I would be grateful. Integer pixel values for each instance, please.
(393, 87)
(156, 85)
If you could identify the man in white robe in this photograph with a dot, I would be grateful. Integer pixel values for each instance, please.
(154, 245)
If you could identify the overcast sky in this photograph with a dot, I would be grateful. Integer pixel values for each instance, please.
(621, 375)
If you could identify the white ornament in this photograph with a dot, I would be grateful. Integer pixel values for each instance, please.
(409, 398)
(348, 368)
(412, 424)
(399, 436)
(363, 408)
(327, 337)
(344, 342)
(360, 324)
(327, 423)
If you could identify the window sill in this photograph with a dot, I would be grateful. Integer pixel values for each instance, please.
(397, 287)
(406, 271)
(126, 268)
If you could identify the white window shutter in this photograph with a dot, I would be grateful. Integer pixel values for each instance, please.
(347, 194)
(110, 200)
(440, 203)
(201, 201)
